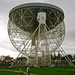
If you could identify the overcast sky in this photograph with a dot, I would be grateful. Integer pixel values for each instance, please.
(68, 6)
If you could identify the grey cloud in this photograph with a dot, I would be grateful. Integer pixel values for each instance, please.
(68, 6)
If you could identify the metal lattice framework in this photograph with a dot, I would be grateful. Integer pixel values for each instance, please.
(37, 42)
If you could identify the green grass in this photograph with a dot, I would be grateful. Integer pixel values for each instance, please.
(10, 73)
(47, 70)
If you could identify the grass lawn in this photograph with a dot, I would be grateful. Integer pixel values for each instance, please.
(10, 73)
(47, 70)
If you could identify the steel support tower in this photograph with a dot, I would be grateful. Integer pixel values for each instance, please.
(37, 30)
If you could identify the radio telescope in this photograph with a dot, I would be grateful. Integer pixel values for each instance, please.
(37, 30)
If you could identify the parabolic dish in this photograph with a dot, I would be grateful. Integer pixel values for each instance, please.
(22, 23)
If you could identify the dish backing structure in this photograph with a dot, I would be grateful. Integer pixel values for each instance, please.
(36, 30)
